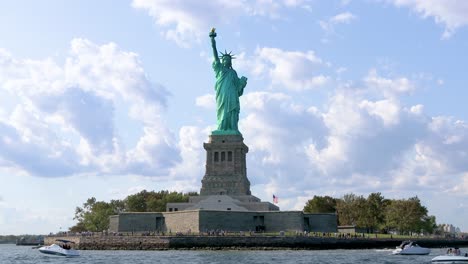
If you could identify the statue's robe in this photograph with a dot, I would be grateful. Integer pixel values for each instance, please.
(228, 88)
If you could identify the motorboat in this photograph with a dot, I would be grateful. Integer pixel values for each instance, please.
(450, 259)
(452, 256)
(410, 248)
(62, 248)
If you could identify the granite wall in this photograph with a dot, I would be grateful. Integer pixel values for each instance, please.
(205, 220)
(136, 222)
(109, 242)
(182, 221)
(321, 223)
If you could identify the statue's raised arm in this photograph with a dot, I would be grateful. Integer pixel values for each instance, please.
(213, 44)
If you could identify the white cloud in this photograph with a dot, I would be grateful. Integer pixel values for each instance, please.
(64, 119)
(155, 153)
(417, 109)
(389, 87)
(387, 110)
(450, 13)
(355, 143)
(345, 17)
(462, 186)
(369, 133)
(206, 101)
(35, 221)
(341, 70)
(190, 170)
(345, 2)
(328, 25)
(187, 21)
(448, 143)
(293, 70)
(276, 130)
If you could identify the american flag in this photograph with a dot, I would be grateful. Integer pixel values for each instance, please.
(275, 199)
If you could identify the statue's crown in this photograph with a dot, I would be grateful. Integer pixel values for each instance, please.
(227, 54)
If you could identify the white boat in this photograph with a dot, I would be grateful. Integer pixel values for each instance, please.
(410, 248)
(450, 259)
(62, 248)
(452, 256)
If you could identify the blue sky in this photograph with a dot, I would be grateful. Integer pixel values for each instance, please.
(107, 98)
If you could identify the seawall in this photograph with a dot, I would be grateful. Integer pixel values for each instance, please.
(242, 242)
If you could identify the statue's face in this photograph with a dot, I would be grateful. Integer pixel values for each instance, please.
(227, 61)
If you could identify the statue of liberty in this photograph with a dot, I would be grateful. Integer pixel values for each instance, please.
(228, 88)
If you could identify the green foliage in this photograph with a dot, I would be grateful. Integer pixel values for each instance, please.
(136, 202)
(429, 224)
(320, 204)
(21, 239)
(350, 210)
(368, 213)
(9, 239)
(376, 213)
(79, 227)
(153, 201)
(407, 216)
(94, 215)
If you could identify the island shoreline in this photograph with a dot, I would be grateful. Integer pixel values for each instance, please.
(244, 242)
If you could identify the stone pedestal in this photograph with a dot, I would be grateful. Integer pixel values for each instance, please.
(226, 171)
(225, 186)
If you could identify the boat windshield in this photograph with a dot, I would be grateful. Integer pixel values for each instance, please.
(64, 241)
(406, 244)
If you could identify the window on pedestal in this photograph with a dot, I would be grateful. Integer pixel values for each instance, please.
(223, 156)
(216, 156)
(229, 155)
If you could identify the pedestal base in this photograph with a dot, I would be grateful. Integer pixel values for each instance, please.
(226, 172)
(226, 132)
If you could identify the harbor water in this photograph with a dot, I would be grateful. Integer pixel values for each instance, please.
(12, 254)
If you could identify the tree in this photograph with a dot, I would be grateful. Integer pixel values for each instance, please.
(94, 215)
(320, 204)
(136, 202)
(375, 211)
(361, 212)
(406, 216)
(78, 228)
(351, 210)
(145, 201)
(9, 239)
(429, 224)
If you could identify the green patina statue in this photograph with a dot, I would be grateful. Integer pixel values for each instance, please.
(228, 88)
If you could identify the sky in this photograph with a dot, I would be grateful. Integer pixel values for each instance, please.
(107, 98)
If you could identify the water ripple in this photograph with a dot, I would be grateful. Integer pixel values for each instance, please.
(25, 255)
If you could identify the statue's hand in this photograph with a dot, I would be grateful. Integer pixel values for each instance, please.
(243, 81)
(212, 33)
